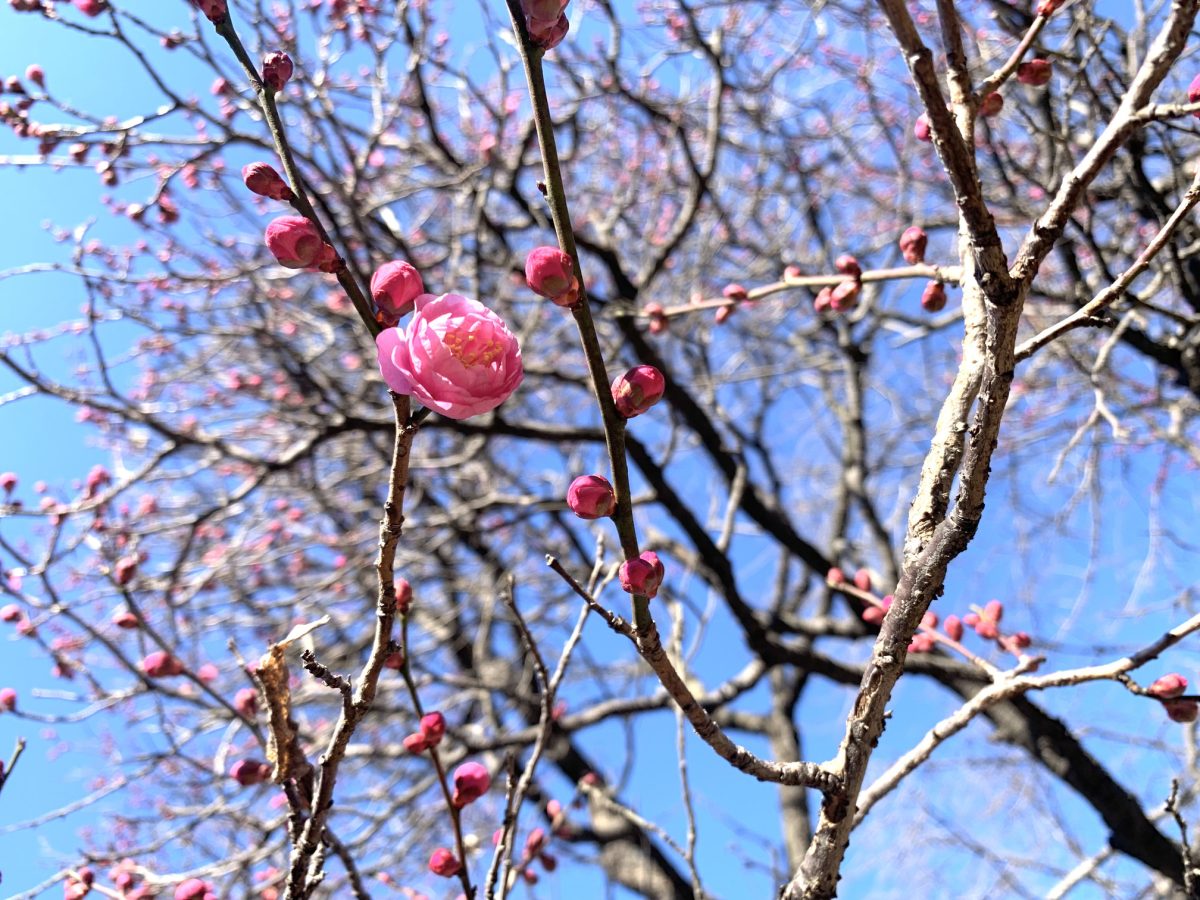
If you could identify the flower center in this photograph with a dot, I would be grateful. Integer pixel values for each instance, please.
(472, 349)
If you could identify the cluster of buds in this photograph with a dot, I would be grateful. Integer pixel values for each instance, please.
(845, 295)
(1170, 690)
(195, 889)
(550, 273)
(78, 884)
(546, 21)
(429, 734)
(643, 575)
(534, 851)
(657, 316)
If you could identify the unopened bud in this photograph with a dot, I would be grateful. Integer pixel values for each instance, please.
(933, 298)
(263, 180)
(1036, 72)
(276, 71)
(912, 244)
(643, 575)
(591, 497)
(551, 273)
(638, 390)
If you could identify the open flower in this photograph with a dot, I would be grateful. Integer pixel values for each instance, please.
(456, 356)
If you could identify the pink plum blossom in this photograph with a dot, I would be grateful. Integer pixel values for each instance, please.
(456, 356)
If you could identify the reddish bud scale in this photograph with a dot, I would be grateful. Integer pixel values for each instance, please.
(991, 104)
(1182, 710)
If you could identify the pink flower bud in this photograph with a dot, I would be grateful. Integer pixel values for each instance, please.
(548, 33)
(195, 889)
(296, 243)
(404, 595)
(415, 743)
(471, 781)
(734, 292)
(551, 273)
(1168, 686)
(263, 180)
(791, 273)
(161, 664)
(8, 481)
(873, 615)
(433, 728)
(835, 576)
(723, 314)
(912, 244)
(1020, 640)
(8, 699)
(643, 575)
(208, 673)
(543, 9)
(921, 130)
(91, 7)
(1036, 72)
(953, 627)
(994, 610)
(125, 569)
(215, 10)
(554, 809)
(125, 619)
(638, 390)
(394, 661)
(443, 862)
(922, 643)
(591, 497)
(845, 296)
(862, 580)
(848, 265)
(36, 74)
(535, 841)
(933, 298)
(394, 287)
(991, 104)
(824, 300)
(549, 862)
(249, 772)
(658, 318)
(10, 612)
(1181, 710)
(245, 701)
(1194, 93)
(276, 71)
(1048, 7)
(929, 620)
